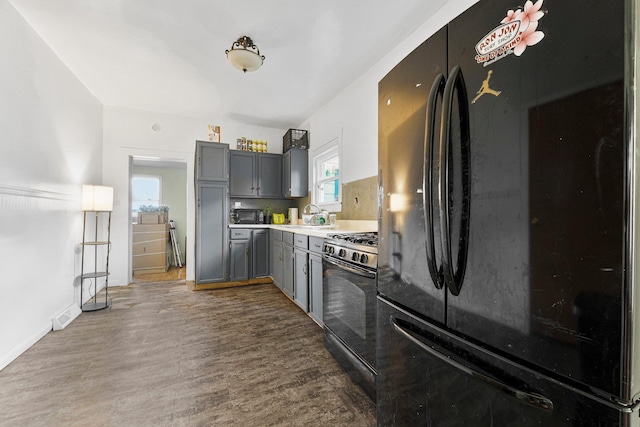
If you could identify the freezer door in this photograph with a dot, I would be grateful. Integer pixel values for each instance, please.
(545, 267)
(409, 109)
(426, 378)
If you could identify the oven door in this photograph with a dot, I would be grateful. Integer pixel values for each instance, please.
(349, 306)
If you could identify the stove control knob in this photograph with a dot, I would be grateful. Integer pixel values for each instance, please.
(355, 257)
(364, 258)
(342, 253)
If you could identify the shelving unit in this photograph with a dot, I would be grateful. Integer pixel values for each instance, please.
(93, 304)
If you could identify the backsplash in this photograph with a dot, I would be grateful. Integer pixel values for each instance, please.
(359, 200)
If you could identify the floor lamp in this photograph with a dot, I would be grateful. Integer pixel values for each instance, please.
(96, 199)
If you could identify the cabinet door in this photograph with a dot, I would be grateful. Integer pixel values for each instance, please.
(269, 175)
(239, 260)
(315, 287)
(287, 270)
(211, 161)
(260, 253)
(275, 255)
(242, 175)
(301, 284)
(211, 232)
(295, 173)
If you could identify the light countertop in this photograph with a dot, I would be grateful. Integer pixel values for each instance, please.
(344, 226)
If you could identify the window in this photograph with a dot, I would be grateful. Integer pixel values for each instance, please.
(146, 190)
(326, 177)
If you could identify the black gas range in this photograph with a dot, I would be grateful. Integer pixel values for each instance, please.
(349, 304)
(360, 249)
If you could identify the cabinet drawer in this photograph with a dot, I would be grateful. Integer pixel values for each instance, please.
(315, 244)
(239, 234)
(301, 241)
(150, 233)
(287, 237)
(150, 261)
(149, 247)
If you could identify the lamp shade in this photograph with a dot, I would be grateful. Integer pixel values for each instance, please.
(244, 60)
(97, 198)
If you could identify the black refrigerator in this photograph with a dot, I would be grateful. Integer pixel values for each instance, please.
(507, 220)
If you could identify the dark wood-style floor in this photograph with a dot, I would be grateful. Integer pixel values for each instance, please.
(166, 356)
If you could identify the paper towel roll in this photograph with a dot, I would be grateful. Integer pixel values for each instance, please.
(293, 216)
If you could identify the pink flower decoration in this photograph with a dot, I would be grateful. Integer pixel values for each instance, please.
(531, 14)
(511, 16)
(528, 38)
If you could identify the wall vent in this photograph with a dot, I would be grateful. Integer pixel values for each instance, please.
(66, 316)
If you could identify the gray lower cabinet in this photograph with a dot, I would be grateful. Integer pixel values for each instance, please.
(248, 254)
(295, 165)
(287, 264)
(211, 226)
(300, 278)
(276, 257)
(255, 174)
(239, 251)
(315, 276)
(260, 253)
(295, 262)
(301, 282)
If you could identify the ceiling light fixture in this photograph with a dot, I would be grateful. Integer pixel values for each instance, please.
(244, 55)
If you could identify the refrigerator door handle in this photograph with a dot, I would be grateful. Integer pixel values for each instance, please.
(534, 399)
(455, 85)
(427, 193)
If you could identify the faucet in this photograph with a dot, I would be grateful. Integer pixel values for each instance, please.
(311, 205)
(314, 216)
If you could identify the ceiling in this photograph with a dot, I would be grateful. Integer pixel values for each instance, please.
(168, 56)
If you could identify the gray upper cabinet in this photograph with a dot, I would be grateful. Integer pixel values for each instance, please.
(295, 182)
(269, 175)
(211, 161)
(211, 225)
(242, 180)
(255, 174)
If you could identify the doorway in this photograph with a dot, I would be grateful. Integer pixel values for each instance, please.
(158, 216)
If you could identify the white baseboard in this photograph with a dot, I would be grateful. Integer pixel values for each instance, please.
(24, 346)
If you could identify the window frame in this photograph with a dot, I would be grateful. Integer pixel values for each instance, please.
(321, 155)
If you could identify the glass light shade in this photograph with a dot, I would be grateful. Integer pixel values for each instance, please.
(244, 59)
(97, 198)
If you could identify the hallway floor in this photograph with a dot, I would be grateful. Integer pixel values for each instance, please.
(166, 356)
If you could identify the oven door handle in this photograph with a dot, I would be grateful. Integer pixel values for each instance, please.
(350, 268)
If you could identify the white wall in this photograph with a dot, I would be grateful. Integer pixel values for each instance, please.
(128, 133)
(354, 112)
(51, 141)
